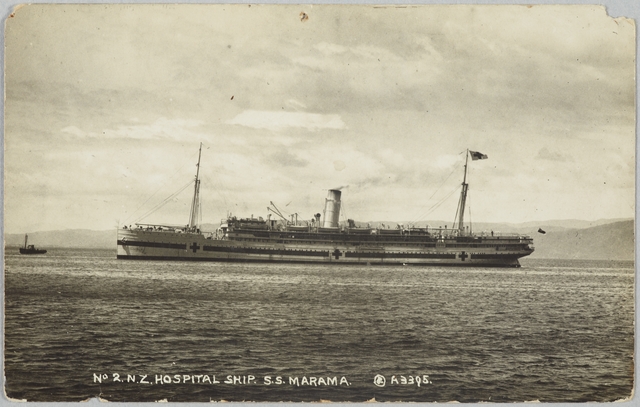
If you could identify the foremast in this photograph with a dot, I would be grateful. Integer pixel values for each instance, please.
(194, 216)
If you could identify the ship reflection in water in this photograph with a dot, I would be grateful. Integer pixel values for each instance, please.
(323, 239)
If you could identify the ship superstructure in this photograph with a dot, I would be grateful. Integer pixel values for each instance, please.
(322, 239)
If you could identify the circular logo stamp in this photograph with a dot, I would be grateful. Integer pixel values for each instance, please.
(379, 380)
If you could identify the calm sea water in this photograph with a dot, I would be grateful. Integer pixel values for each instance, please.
(81, 324)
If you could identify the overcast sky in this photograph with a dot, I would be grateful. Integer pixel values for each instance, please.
(106, 107)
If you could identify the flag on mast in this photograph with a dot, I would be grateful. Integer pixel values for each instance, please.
(476, 155)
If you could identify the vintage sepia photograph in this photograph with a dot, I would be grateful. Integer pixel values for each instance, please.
(308, 203)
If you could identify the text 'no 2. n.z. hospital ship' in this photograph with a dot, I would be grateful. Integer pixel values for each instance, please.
(322, 240)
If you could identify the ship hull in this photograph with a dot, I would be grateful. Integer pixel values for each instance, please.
(167, 246)
(32, 251)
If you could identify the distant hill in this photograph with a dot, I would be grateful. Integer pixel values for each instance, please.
(572, 223)
(613, 241)
(606, 241)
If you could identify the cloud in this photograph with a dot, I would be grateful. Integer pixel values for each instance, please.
(445, 161)
(271, 120)
(74, 131)
(330, 49)
(162, 128)
(286, 159)
(295, 104)
(546, 154)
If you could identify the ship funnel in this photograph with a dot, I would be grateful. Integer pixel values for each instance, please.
(332, 209)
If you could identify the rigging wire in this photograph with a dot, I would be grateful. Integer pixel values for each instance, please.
(469, 208)
(437, 204)
(468, 170)
(453, 224)
(429, 211)
(433, 208)
(164, 202)
(157, 190)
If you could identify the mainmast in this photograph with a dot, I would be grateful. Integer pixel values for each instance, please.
(195, 204)
(475, 155)
(463, 196)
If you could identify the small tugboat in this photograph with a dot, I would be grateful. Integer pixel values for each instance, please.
(30, 249)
